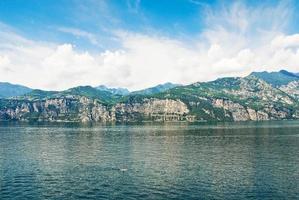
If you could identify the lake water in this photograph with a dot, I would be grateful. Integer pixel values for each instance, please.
(150, 161)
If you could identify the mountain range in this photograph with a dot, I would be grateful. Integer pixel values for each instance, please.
(12, 90)
(258, 96)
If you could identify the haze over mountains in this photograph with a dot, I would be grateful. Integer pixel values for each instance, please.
(258, 96)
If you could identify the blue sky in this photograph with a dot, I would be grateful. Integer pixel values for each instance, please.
(182, 19)
(41, 20)
(115, 42)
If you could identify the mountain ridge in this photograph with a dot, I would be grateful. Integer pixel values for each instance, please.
(277, 79)
(224, 99)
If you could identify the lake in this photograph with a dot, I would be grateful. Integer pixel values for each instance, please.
(150, 161)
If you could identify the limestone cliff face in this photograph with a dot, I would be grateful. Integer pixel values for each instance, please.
(153, 109)
(242, 113)
(57, 109)
(251, 86)
(91, 110)
(83, 109)
(239, 112)
(245, 113)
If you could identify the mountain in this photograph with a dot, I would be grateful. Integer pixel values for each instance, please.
(11, 90)
(277, 79)
(156, 89)
(225, 99)
(235, 99)
(105, 97)
(118, 91)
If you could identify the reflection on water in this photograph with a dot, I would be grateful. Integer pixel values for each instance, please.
(166, 161)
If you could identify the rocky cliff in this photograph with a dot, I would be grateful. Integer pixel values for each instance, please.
(83, 109)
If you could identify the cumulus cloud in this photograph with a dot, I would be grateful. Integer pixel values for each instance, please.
(234, 43)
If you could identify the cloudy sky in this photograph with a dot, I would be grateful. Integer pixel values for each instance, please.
(58, 44)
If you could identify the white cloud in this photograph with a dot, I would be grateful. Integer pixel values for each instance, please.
(4, 60)
(225, 48)
(285, 41)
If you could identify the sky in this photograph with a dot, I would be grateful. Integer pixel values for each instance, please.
(59, 44)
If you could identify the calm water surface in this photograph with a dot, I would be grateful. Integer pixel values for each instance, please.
(168, 161)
